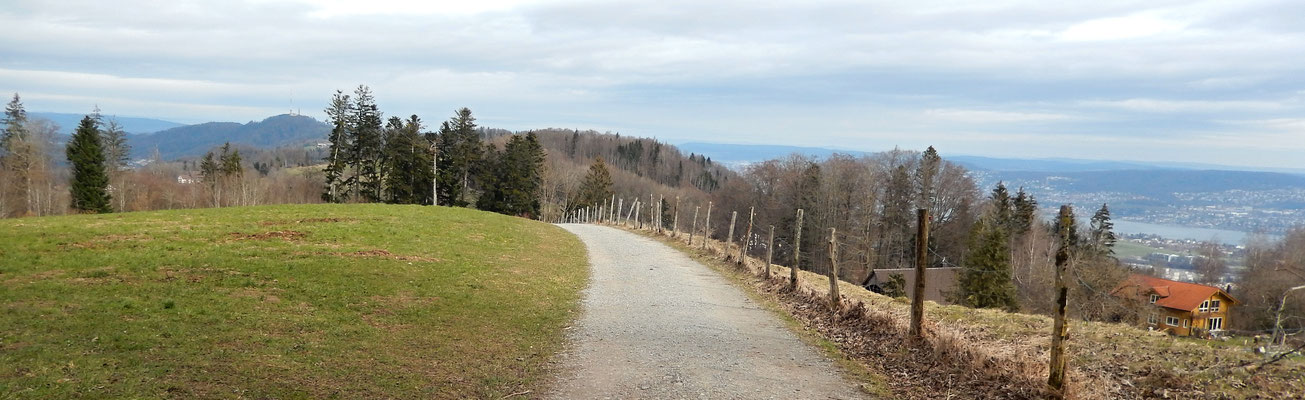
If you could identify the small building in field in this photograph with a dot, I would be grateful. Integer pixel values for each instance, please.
(938, 282)
(1179, 307)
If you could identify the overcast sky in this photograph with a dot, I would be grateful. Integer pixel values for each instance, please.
(1197, 81)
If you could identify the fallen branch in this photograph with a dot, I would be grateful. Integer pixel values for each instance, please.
(1277, 358)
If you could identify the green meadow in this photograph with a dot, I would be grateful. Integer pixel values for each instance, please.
(304, 301)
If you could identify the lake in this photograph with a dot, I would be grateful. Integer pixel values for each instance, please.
(1183, 232)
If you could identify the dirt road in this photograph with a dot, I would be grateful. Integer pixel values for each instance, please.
(659, 325)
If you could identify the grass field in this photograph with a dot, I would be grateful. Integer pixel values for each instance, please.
(1126, 248)
(312, 301)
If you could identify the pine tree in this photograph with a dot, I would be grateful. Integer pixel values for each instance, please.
(460, 154)
(90, 182)
(15, 122)
(522, 176)
(337, 156)
(16, 151)
(492, 181)
(596, 187)
(985, 281)
(1001, 208)
(407, 162)
(367, 146)
(233, 173)
(211, 174)
(926, 173)
(897, 220)
(116, 150)
(1024, 213)
(1102, 232)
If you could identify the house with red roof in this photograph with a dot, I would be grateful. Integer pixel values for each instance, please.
(1178, 307)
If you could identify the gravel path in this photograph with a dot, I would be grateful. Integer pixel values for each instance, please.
(659, 325)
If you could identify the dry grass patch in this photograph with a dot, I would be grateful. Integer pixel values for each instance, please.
(978, 353)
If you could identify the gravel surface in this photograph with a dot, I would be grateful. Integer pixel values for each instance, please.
(659, 325)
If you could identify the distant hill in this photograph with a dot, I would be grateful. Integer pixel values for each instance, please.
(736, 155)
(135, 125)
(1048, 165)
(1156, 183)
(195, 140)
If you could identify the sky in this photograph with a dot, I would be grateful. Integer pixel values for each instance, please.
(1219, 82)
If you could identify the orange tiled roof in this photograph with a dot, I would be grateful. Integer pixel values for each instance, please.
(1173, 294)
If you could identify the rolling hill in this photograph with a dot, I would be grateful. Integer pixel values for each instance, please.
(304, 301)
(133, 125)
(195, 140)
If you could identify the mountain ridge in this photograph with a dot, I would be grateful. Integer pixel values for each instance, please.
(742, 154)
(67, 122)
(195, 140)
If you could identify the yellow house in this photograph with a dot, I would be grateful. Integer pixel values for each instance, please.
(1178, 307)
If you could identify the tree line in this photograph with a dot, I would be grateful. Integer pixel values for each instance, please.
(399, 162)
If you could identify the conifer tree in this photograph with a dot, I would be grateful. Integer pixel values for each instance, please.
(1001, 208)
(407, 162)
(90, 182)
(16, 150)
(985, 279)
(926, 173)
(896, 222)
(15, 122)
(339, 113)
(1024, 213)
(367, 146)
(522, 176)
(596, 187)
(1102, 232)
(116, 150)
(460, 153)
(210, 173)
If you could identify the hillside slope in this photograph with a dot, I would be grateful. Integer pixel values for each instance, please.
(318, 301)
(195, 140)
(135, 125)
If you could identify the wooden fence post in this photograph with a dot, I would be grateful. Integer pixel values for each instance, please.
(729, 241)
(770, 251)
(1059, 332)
(650, 213)
(921, 261)
(675, 222)
(694, 229)
(797, 253)
(638, 223)
(833, 269)
(612, 212)
(706, 227)
(747, 237)
(660, 221)
(620, 205)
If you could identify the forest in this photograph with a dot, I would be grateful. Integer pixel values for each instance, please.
(999, 236)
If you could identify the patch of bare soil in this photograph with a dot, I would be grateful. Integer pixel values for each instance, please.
(105, 241)
(287, 235)
(305, 221)
(387, 254)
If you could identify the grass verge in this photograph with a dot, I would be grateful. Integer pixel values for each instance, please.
(980, 353)
(305, 301)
